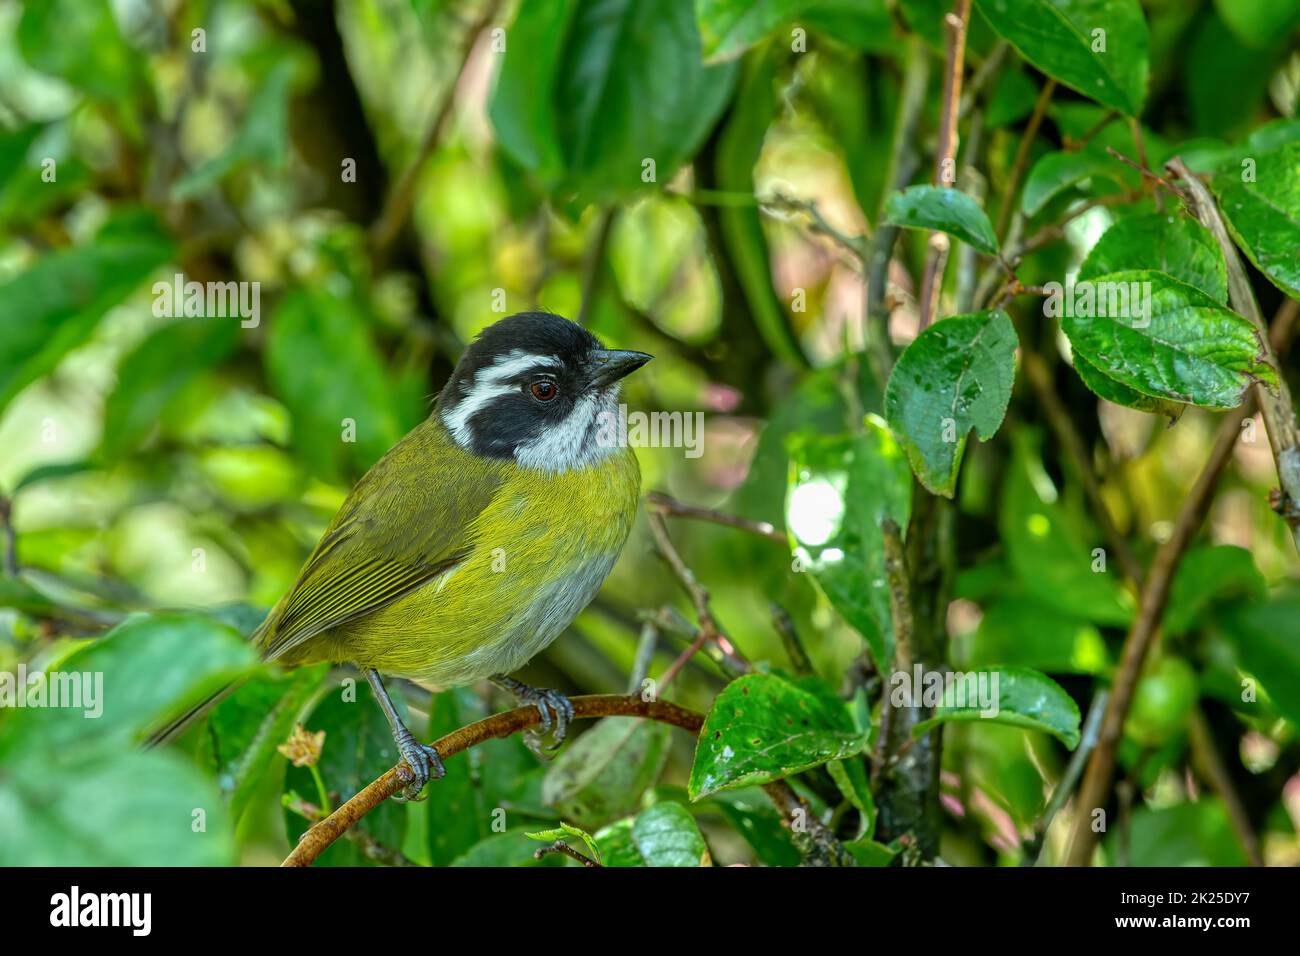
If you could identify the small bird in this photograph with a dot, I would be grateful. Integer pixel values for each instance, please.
(476, 540)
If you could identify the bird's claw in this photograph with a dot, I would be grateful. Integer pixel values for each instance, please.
(422, 762)
(556, 712)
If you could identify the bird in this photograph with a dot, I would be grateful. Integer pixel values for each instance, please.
(477, 539)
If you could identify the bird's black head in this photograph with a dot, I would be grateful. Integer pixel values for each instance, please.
(533, 387)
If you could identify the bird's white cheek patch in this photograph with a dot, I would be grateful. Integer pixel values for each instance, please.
(571, 443)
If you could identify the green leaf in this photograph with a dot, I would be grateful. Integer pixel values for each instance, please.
(1267, 639)
(145, 670)
(55, 304)
(565, 830)
(1021, 698)
(956, 375)
(841, 487)
(946, 209)
(762, 727)
(1103, 386)
(1207, 575)
(79, 41)
(322, 362)
(617, 847)
(751, 815)
(244, 730)
(666, 835)
(585, 113)
(1050, 550)
(509, 848)
(154, 373)
(867, 852)
(850, 778)
(602, 774)
(1060, 38)
(1173, 244)
(1056, 172)
(729, 27)
(1264, 215)
(1163, 338)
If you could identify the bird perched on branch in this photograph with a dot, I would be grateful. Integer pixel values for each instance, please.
(479, 536)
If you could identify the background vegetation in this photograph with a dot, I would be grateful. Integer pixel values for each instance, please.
(719, 183)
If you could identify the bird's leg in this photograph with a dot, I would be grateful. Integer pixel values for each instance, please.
(422, 759)
(554, 707)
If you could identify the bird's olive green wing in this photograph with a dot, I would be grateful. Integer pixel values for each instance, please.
(403, 525)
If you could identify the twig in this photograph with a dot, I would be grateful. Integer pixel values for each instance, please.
(945, 156)
(900, 602)
(1032, 850)
(1155, 595)
(397, 208)
(1276, 406)
(794, 648)
(856, 246)
(981, 77)
(1022, 156)
(1211, 766)
(902, 164)
(1148, 177)
(710, 632)
(319, 837)
(665, 505)
(371, 848)
(559, 846)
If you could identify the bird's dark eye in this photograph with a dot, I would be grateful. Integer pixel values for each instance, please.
(543, 390)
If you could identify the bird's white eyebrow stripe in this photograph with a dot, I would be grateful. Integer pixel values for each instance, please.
(490, 383)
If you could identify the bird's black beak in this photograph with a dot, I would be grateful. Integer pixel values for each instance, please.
(607, 366)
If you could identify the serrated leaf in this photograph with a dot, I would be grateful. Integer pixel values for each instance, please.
(946, 210)
(841, 487)
(956, 375)
(567, 830)
(1163, 338)
(1056, 172)
(1016, 696)
(1103, 386)
(1173, 244)
(761, 728)
(1059, 37)
(1264, 215)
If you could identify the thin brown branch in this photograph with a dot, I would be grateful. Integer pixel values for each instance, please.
(1098, 779)
(1022, 157)
(856, 246)
(315, 841)
(559, 846)
(1032, 849)
(370, 848)
(1149, 178)
(1210, 765)
(397, 207)
(665, 505)
(794, 649)
(1276, 405)
(945, 156)
(900, 600)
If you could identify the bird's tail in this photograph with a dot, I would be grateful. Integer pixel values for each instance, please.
(178, 725)
(174, 728)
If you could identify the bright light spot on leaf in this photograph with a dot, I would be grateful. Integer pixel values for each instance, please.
(832, 555)
(1039, 525)
(815, 511)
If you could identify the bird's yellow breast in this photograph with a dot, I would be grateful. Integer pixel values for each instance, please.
(538, 553)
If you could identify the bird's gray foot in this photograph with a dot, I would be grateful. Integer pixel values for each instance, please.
(555, 709)
(423, 760)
